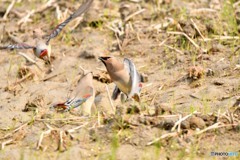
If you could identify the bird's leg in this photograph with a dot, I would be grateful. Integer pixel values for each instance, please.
(52, 67)
(50, 63)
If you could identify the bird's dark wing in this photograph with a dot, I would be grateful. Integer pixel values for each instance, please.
(83, 8)
(78, 101)
(17, 46)
(115, 93)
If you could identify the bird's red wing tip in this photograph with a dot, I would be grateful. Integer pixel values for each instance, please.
(60, 106)
(87, 96)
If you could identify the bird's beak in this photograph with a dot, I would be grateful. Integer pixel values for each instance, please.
(103, 59)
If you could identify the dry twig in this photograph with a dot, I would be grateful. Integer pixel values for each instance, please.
(214, 126)
(110, 100)
(60, 145)
(14, 131)
(178, 123)
(9, 9)
(192, 41)
(39, 144)
(64, 119)
(196, 27)
(26, 18)
(197, 11)
(76, 128)
(6, 143)
(61, 131)
(133, 14)
(216, 37)
(236, 4)
(13, 38)
(21, 80)
(168, 135)
(175, 49)
(30, 60)
(52, 76)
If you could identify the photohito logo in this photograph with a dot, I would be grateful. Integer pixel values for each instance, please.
(226, 154)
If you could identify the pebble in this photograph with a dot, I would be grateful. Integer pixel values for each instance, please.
(196, 122)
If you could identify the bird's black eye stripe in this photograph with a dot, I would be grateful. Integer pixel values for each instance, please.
(104, 58)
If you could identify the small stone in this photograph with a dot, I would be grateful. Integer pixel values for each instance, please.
(152, 110)
(87, 54)
(196, 122)
(185, 125)
(163, 108)
(133, 110)
(195, 72)
(218, 82)
(210, 72)
(167, 124)
(46, 116)
(30, 107)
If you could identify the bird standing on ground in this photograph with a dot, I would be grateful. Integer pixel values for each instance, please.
(42, 49)
(82, 96)
(125, 76)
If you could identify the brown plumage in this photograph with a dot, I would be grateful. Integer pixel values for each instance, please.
(125, 76)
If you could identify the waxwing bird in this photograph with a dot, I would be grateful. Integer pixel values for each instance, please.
(42, 48)
(82, 96)
(125, 76)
